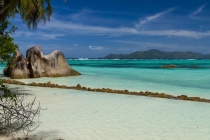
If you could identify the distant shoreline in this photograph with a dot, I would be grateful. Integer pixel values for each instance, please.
(157, 54)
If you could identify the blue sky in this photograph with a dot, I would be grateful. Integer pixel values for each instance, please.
(96, 28)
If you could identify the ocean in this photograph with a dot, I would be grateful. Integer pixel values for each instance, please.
(83, 115)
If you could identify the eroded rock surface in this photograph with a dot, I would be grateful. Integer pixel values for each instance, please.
(37, 65)
(17, 68)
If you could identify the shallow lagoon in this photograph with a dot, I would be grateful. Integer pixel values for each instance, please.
(140, 75)
(80, 115)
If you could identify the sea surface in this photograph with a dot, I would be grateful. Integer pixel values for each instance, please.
(83, 115)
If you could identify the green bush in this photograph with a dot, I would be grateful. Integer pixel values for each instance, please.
(7, 46)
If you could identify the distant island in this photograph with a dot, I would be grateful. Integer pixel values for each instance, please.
(157, 54)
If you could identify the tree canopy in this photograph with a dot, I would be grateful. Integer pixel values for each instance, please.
(15, 113)
(31, 11)
(7, 46)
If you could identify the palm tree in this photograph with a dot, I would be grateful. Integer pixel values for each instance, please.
(13, 113)
(31, 11)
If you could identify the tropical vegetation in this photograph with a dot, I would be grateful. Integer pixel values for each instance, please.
(15, 114)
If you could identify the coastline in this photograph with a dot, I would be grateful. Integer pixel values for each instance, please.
(108, 90)
(76, 114)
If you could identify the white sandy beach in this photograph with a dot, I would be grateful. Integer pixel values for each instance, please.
(81, 115)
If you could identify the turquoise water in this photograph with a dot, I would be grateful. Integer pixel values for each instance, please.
(140, 75)
(146, 75)
(74, 114)
(130, 63)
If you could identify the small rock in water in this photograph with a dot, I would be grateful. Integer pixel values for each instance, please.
(78, 86)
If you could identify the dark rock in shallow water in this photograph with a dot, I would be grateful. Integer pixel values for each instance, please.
(169, 66)
(78, 86)
(37, 65)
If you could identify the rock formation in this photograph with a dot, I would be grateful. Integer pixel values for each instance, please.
(17, 68)
(169, 66)
(108, 90)
(37, 65)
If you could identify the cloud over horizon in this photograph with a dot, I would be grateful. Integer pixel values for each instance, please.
(162, 25)
(95, 48)
(80, 29)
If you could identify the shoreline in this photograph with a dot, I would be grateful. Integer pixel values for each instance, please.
(108, 90)
(79, 114)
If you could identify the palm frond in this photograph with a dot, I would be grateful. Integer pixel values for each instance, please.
(32, 12)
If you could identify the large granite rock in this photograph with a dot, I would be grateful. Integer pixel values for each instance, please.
(17, 68)
(37, 65)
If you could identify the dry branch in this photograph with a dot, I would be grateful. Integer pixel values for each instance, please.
(16, 115)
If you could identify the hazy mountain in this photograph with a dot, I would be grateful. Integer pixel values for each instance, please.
(157, 54)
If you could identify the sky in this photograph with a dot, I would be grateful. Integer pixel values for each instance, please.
(96, 28)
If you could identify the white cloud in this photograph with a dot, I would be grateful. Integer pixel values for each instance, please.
(95, 48)
(179, 46)
(37, 35)
(147, 44)
(58, 28)
(175, 33)
(153, 17)
(80, 15)
(71, 28)
(199, 10)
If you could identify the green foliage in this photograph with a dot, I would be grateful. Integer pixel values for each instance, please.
(6, 93)
(31, 11)
(7, 50)
(7, 46)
